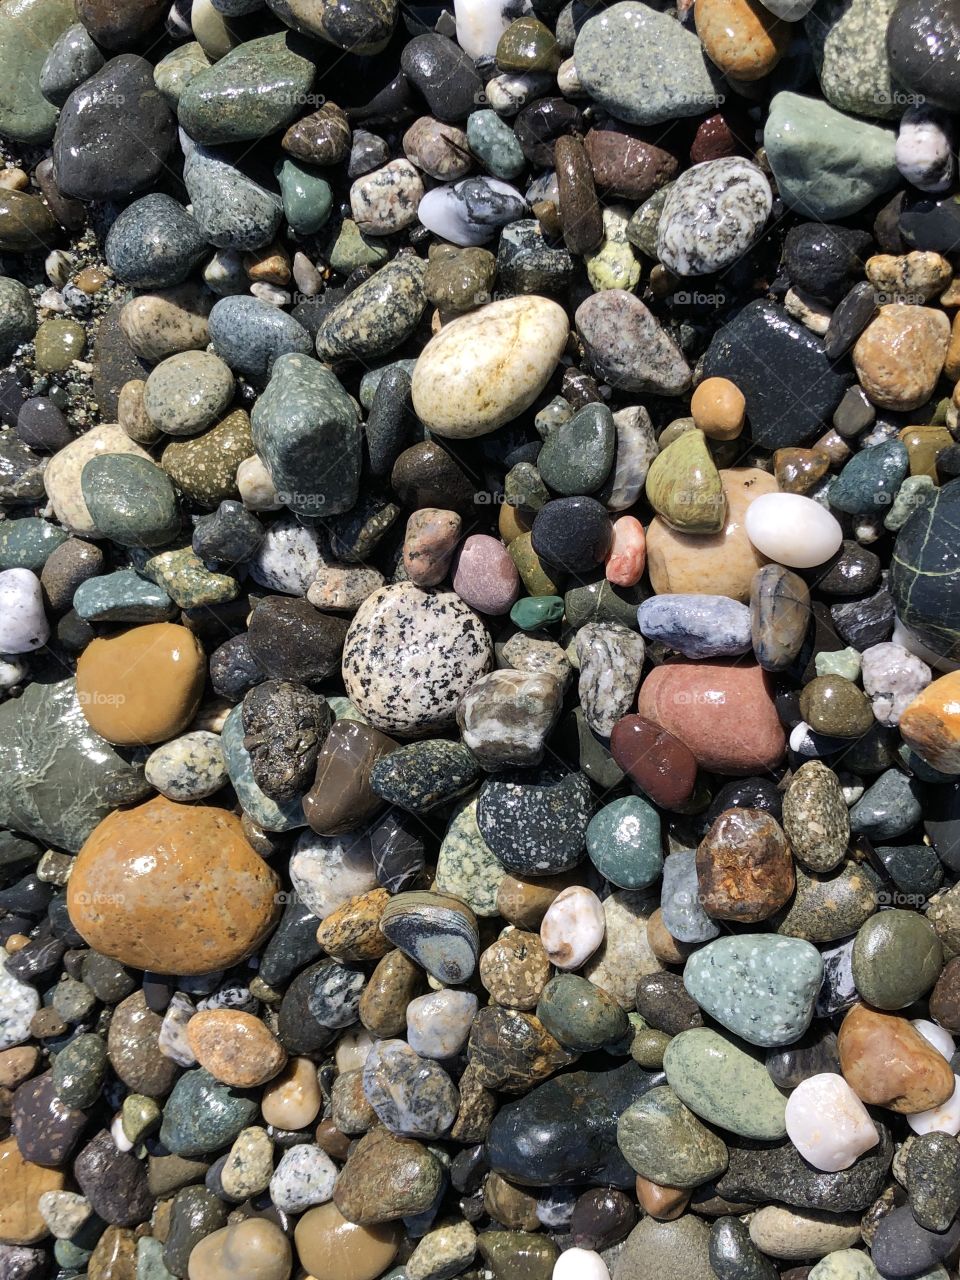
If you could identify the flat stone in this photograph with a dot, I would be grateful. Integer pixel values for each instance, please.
(28, 30)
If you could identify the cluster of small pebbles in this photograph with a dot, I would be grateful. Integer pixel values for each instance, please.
(479, 640)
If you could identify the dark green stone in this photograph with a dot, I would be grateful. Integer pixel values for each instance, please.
(130, 500)
(27, 543)
(576, 458)
(870, 479)
(933, 1179)
(734, 1256)
(925, 573)
(580, 1015)
(536, 611)
(195, 1213)
(423, 775)
(202, 1115)
(78, 1071)
(897, 957)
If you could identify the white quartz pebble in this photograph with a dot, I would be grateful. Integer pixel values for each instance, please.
(828, 1124)
(580, 1264)
(23, 624)
(480, 24)
(256, 486)
(439, 1022)
(352, 1050)
(924, 150)
(573, 927)
(792, 530)
(18, 1003)
(289, 557)
(942, 1119)
(305, 1176)
(934, 1034)
(172, 1037)
(327, 870)
(892, 678)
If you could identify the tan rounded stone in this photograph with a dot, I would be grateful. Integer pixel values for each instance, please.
(718, 407)
(331, 1248)
(293, 1099)
(721, 564)
(142, 686)
(19, 1064)
(172, 888)
(515, 969)
(21, 1186)
(900, 355)
(393, 984)
(168, 321)
(133, 415)
(255, 1249)
(235, 1047)
(742, 37)
(888, 1063)
(662, 942)
(524, 903)
(352, 931)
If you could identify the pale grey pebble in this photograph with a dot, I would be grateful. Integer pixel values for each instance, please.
(715, 211)
(636, 448)
(698, 626)
(18, 1003)
(412, 1096)
(892, 678)
(189, 767)
(610, 657)
(533, 653)
(683, 915)
(924, 150)
(172, 1038)
(304, 1177)
(289, 557)
(506, 716)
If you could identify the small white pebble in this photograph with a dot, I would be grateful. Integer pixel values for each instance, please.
(792, 530)
(438, 1023)
(271, 293)
(23, 623)
(934, 1034)
(828, 1124)
(352, 1050)
(580, 1264)
(573, 927)
(256, 486)
(120, 1139)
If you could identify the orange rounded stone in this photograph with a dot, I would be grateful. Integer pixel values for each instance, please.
(718, 408)
(888, 1063)
(235, 1047)
(142, 686)
(21, 1186)
(173, 888)
(931, 723)
(742, 37)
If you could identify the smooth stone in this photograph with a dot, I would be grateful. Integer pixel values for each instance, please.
(626, 345)
(624, 843)
(154, 243)
(849, 44)
(535, 821)
(683, 486)
(255, 1248)
(580, 1015)
(305, 1176)
(164, 323)
(610, 658)
(423, 775)
(62, 475)
(665, 1142)
(793, 530)
(191, 767)
(249, 335)
(834, 706)
(412, 1096)
(680, 1249)
(18, 324)
(472, 211)
(327, 872)
(506, 716)
(326, 1241)
(921, 43)
(23, 624)
(724, 1085)
(734, 1256)
(230, 208)
(47, 1128)
(744, 866)
(130, 499)
(388, 1177)
(712, 215)
(29, 30)
(438, 932)
(377, 316)
(887, 1062)
(202, 1115)
(888, 809)
(251, 92)
(898, 359)
(175, 70)
(680, 900)
(779, 616)
(828, 1124)
(205, 467)
(697, 626)
(825, 909)
(386, 201)
(577, 457)
(26, 223)
(922, 554)
(901, 1247)
(307, 198)
(188, 392)
(897, 957)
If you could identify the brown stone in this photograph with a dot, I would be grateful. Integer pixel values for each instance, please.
(524, 903)
(478, 1106)
(292, 1100)
(341, 798)
(320, 138)
(742, 37)
(254, 1249)
(431, 537)
(513, 1207)
(900, 355)
(235, 1047)
(718, 408)
(512, 1051)
(329, 1245)
(931, 723)
(120, 24)
(172, 888)
(662, 1203)
(579, 206)
(114, 1256)
(744, 867)
(393, 984)
(21, 1185)
(134, 1050)
(888, 1063)
(387, 1177)
(624, 165)
(924, 445)
(18, 1064)
(142, 686)
(662, 942)
(352, 931)
(658, 762)
(799, 470)
(329, 1138)
(945, 996)
(715, 139)
(515, 969)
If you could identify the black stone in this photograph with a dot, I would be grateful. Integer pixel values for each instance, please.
(233, 669)
(853, 571)
(285, 725)
(40, 956)
(424, 775)
(427, 475)
(862, 623)
(825, 260)
(392, 104)
(107, 978)
(813, 1054)
(194, 1213)
(293, 641)
(914, 868)
(572, 534)
(851, 317)
(925, 572)
(469, 1169)
(391, 422)
(923, 45)
(535, 820)
(932, 225)
(941, 820)
(42, 426)
(399, 858)
(115, 1182)
(602, 1217)
(444, 75)
(46, 1129)
(745, 793)
(230, 535)
(901, 1247)
(297, 1029)
(734, 1256)
(662, 1001)
(539, 124)
(292, 945)
(29, 896)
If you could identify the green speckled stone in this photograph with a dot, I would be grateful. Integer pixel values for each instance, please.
(122, 596)
(624, 844)
(205, 467)
(724, 1085)
(173, 73)
(643, 229)
(307, 197)
(421, 776)
(252, 91)
(914, 493)
(760, 987)
(466, 866)
(378, 316)
(58, 778)
(665, 1142)
(352, 249)
(28, 542)
(848, 39)
(536, 611)
(78, 1071)
(614, 265)
(130, 500)
(523, 487)
(576, 458)
(187, 580)
(202, 1115)
(683, 486)
(265, 812)
(18, 316)
(58, 343)
(578, 1014)
(28, 29)
(828, 907)
(139, 1116)
(868, 482)
(495, 144)
(897, 957)
(459, 279)
(601, 602)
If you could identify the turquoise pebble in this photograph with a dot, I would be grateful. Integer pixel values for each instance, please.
(536, 611)
(623, 843)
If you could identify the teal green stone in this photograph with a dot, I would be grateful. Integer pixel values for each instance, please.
(122, 596)
(536, 611)
(467, 867)
(78, 1071)
(307, 197)
(870, 480)
(760, 987)
(827, 164)
(150, 1260)
(724, 1085)
(71, 1256)
(923, 572)
(252, 91)
(854, 1264)
(26, 543)
(578, 1014)
(18, 316)
(187, 580)
(845, 663)
(130, 499)
(265, 812)
(897, 957)
(664, 1141)
(202, 1115)
(28, 30)
(495, 144)
(173, 73)
(576, 458)
(624, 843)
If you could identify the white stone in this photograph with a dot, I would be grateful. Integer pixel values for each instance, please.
(580, 1264)
(789, 10)
(438, 1023)
(946, 1117)
(64, 1212)
(18, 1003)
(352, 1050)
(256, 486)
(385, 201)
(892, 678)
(792, 530)
(934, 1034)
(61, 479)
(326, 871)
(508, 92)
(712, 215)
(828, 1124)
(13, 671)
(23, 624)
(924, 150)
(289, 557)
(172, 1039)
(447, 210)
(305, 1176)
(120, 1139)
(485, 368)
(480, 24)
(190, 767)
(568, 82)
(573, 927)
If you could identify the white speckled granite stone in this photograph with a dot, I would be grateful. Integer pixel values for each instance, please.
(713, 214)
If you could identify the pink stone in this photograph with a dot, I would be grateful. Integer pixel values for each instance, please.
(431, 537)
(484, 575)
(628, 552)
(723, 711)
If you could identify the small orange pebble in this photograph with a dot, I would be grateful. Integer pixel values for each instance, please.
(16, 942)
(719, 408)
(90, 280)
(628, 552)
(270, 265)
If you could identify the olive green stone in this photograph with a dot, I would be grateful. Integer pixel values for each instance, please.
(664, 1141)
(576, 458)
(57, 344)
(187, 581)
(599, 602)
(530, 568)
(518, 1255)
(578, 1014)
(28, 29)
(836, 707)
(724, 1085)
(130, 500)
(536, 611)
(613, 265)
(815, 816)
(648, 1047)
(683, 486)
(307, 197)
(460, 279)
(644, 227)
(26, 224)
(139, 1116)
(205, 467)
(825, 908)
(173, 73)
(528, 45)
(523, 487)
(353, 249)
(897, 957)
(18, 316)
(467, 868)
(28, 542)
(78, 1071)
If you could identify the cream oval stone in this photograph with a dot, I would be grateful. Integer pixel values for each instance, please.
(793, 530)
(828, 1124)
(255, 1249)
(61, 479)
(573, 927)
(485, 368)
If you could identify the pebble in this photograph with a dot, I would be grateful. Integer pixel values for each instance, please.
(793, 530)
(737, 200)
(627, 347)
(572, 928)
(828, 1124)
(888, 1063)
(723, 1085)
(24, 626)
